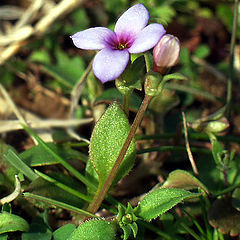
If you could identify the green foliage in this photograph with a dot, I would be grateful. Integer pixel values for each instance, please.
(63, 232)
(80, 21)
(112, 94)
(107, 139)
(132, 77)
(60, 182)
(39, 228)
(163, 14)
(47, 189)
(202, 51)
(184, 180)
(164, 102)
(159, 201)
(116, 6)
(17, 162)
(67, 71)
(37, 156)
(11, 223)
(41, 56)
(94, 230)
(127, 221)
(225, 13)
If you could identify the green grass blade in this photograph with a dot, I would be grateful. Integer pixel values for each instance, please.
(17, 162)
(58, 204)
(71, 169)
(64, 187)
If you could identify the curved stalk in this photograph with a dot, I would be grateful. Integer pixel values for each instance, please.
(101, 193)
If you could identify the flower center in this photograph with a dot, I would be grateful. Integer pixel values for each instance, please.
(122, 46)
(120, 42)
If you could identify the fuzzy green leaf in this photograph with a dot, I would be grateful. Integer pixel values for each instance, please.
(182, 179)
(11, 223)
(160, 201)
(64, 232)
(94, 230)
(107, 140)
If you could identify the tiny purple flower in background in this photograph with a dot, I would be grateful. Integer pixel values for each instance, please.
(131, 35)
(166, 52)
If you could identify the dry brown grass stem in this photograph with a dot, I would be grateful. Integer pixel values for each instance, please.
(25, 27)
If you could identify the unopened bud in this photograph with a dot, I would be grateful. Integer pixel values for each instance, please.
(166, 52)
(218, 127)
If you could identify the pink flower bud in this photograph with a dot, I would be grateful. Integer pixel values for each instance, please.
(166, 52)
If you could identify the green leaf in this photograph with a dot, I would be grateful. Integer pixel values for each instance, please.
(94, 230)
(107, 140)
(92, 176)
(112, 94)
(132, 77)
(4, 236)
(160, 201)
(164, 102)
(50, 190)
(41, 56)
(202, 51)
(236, 199)
(64, 232)
(39, 229)
(37, 155)
(62, 161)
(174, 76)
(11, 223)
(164, 13)
(62, 205)
(67, 71)
(126, 232)
(217, 150)
(183, 179)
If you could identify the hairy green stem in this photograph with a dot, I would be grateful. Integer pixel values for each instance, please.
(99, 197)
(231, 64)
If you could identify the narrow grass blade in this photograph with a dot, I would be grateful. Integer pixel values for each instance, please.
(17, 162)
(58, 204)
(71, 169)
(64, 187)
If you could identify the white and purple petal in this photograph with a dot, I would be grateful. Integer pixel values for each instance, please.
(133, 20)
(92, 38)
(147, 38)
(109, 64)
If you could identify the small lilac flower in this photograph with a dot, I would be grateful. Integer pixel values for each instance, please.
(131, 35)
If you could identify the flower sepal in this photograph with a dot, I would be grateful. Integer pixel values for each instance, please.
(127, 221)
(152, 82)
(132, 77)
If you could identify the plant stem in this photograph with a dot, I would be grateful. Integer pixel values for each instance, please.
(231, 64)
(190, 156)
(126, 100)
(194, 136)
(99, 197)
(173, 149)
